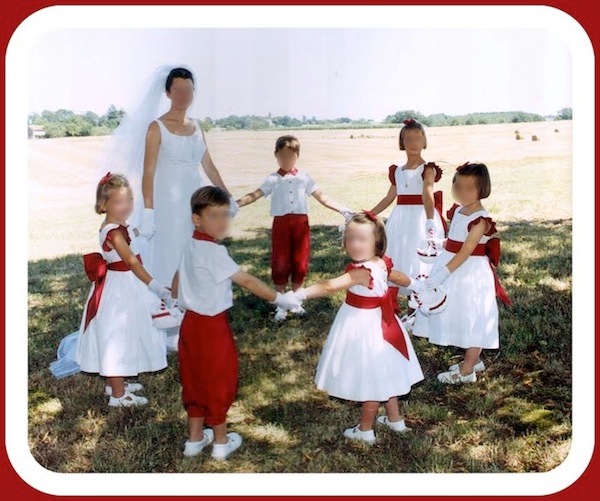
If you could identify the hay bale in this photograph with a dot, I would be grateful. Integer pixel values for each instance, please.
(535, 138)
(351, 136)
(518, 137)
(556, 130)
(517, 132)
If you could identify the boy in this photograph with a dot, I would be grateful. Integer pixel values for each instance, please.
(208, 364)
(290, 235)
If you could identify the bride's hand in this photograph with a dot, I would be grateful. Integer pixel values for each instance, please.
(147, 228)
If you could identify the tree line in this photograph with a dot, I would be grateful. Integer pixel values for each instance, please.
(66, 123)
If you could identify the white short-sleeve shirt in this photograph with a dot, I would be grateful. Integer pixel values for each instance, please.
(288, 192)
(205, 272)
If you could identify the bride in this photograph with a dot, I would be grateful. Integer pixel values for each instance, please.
(174, 149)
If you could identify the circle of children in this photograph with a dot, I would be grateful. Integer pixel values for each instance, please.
(448, 274)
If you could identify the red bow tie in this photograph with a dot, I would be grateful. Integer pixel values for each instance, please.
(200, 235)
(282, 172)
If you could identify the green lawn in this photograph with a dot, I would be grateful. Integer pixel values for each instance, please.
(516, 418)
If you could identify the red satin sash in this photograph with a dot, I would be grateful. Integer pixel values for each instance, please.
(438, 201)
(392, 331)
(491, 249)
(96, 268)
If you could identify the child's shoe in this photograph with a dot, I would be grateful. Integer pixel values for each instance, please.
(130, 387)
(299, 310)
(455, 377)
(280, 315)
(127, 400)
(357, 434)
(194, 448)
(221, 451)
(478, 367)
(397, 426)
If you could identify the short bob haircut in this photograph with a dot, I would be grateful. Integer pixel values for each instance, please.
(480, 173)
(208, 196)
(411, 125)
(108, 184)
(378, 228)
(288, 141)
(178, 73)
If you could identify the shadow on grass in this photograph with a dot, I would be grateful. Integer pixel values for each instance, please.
(516, 418)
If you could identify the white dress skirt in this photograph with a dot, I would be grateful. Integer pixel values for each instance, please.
(120, 340)
(405, 228)
(470, 319)
(357, 363)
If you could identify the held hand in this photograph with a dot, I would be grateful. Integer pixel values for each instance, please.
(287, 301)
(233, 207)
(347, 213)
(430, 228)
(416, 286)
(437, 278)
(147, 228)
(161, 291)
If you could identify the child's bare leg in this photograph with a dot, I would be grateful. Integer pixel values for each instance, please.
(196, 427)
(220, 431)
(367, 417)
(280, 288)
(118, 386)
(392, 409)
(471, 358)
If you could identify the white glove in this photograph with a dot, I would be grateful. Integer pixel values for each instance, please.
(287, 301)
(347, 213)
(147, 228)
(301, 294)
(233, 207)
(430, 227)
(437, 278)
(416, 285)
(162, 292)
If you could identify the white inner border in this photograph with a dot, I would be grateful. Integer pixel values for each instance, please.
(534, 17)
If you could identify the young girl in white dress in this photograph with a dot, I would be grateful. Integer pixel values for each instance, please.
(117, 337)
(368, 356)
(417, 215)
(466, 270)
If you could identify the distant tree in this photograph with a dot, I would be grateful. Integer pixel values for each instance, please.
(565, 114)
(400, 116)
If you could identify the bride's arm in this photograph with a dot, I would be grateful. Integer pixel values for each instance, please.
(150, 158)
(211, 169)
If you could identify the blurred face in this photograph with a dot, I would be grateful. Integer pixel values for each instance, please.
(119, 205)
(414, 141)
(213, 221)
(464, 190)
(181, 93)
(286, 158)
(360, 241)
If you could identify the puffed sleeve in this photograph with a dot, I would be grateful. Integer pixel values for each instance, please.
(392, 174)
(389, 264)
(111, 235)
(491, 225)
(356, 266)
(438, 171)
(451, 211)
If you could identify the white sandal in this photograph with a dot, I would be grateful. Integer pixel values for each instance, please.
(127, 400)
(397, 426)
(130, 387)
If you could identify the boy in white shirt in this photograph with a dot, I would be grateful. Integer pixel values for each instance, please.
(290, 234)
(208, 364)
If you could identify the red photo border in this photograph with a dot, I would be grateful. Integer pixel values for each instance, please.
(16, 12)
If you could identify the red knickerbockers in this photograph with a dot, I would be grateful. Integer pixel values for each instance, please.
(290, 248)
(208, 366)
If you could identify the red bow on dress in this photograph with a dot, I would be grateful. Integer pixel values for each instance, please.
(95, 268)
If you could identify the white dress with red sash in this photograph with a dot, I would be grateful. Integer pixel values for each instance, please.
(405, 228)
(470, 318)
(120, 339)
(357, 363)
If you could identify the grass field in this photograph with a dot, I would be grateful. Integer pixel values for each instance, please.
(516, 418)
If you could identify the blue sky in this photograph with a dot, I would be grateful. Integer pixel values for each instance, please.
(329, 73)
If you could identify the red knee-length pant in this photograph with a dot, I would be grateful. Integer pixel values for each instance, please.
(290, 248)
(208, 366)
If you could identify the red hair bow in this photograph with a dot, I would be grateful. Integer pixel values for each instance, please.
(462, 166)
(371, 215)
(105, 179)
(409, 121)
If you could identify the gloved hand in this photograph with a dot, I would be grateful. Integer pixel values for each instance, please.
(147, 228)
(430, 228)
(287, 301)
(301, 294)
(347, 213)
(233, 207)
(162, 292)
(416, 285)
(437, 278)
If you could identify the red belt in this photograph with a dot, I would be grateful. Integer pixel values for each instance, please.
(96, 268)
(392, 331)
(491, 249)
(418, 200)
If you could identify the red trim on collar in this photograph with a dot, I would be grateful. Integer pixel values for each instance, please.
(282, 173)
(200, 235)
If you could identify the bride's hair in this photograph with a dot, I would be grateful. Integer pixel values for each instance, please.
(177, 73)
